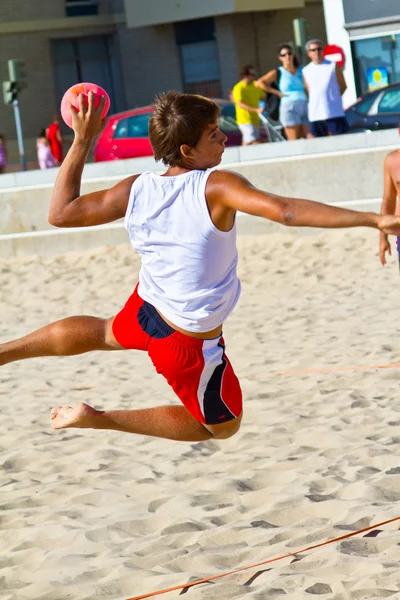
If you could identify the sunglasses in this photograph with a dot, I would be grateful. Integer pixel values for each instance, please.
(315, 49)
(286, 54)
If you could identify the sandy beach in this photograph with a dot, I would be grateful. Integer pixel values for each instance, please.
(105, 515)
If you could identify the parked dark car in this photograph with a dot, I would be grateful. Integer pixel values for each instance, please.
(375, 110)
(126, 134)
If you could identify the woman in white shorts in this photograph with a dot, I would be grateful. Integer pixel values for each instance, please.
(290, 89)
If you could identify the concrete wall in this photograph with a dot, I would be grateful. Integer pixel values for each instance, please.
(34, 49)
(26, 30)
(140, 14)
(10, 10)
(310, 149)
(38, 102)
(332, 177)
(227, 53)
(150, 62)
(258, 35)
(346, 170)
(14, 11)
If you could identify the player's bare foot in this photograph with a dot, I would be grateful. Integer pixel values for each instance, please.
(81, 415)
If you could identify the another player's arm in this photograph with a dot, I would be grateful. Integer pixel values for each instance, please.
(388, 207)
(67, 207)
(236, 193)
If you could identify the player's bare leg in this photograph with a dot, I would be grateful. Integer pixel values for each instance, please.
(68, 337)
(170, 422)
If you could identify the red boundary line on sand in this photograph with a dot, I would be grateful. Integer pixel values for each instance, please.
(273, 374)
(336, 369)
(264, 562)
(322, 370)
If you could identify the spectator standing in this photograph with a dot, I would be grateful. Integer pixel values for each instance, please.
(324, 82)
(55, 139)
(45, 156)
(3, 154)
(247, 97)
(288, 79)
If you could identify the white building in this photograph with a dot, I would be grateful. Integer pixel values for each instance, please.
(369, 33)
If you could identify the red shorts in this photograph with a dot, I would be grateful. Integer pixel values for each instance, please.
(198, 370)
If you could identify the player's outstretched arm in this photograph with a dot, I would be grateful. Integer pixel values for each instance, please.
(237, 193)
(67, 207)
(388, 206)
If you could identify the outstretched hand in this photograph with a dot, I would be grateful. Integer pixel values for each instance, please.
(384, 246)
(389, 224)
(86, 121)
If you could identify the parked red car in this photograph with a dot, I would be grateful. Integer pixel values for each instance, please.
(126, 134)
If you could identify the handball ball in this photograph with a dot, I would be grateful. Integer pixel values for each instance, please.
(72, 96)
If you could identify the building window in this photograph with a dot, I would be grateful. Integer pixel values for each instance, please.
(89, 58)
(81, 8)
(376, 53)
(199, 57)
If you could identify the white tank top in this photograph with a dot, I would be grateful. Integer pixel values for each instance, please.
(325, 100)
(188, 269)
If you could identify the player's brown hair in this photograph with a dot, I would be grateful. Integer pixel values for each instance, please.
(179, 119)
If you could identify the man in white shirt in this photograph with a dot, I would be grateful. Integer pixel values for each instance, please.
(325, 84)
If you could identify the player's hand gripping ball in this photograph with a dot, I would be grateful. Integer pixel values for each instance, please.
(72, 96)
